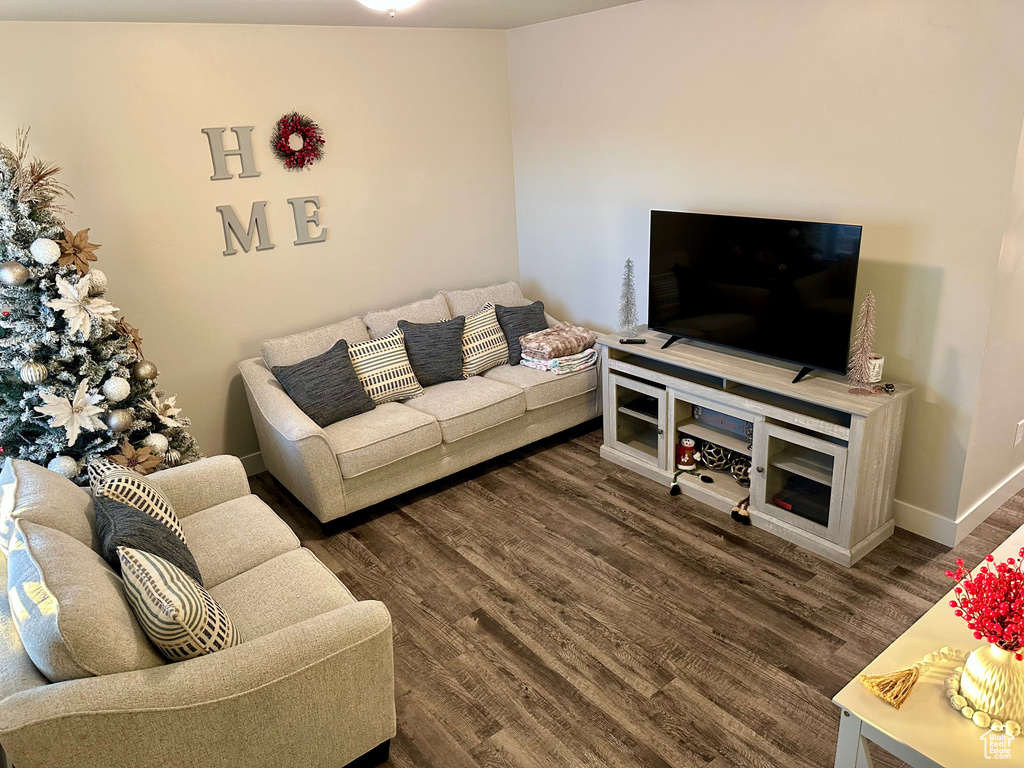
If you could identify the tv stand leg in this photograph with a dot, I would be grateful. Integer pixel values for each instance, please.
(671, 340)
(803, 372)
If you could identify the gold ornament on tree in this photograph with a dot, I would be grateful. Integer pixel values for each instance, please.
(33, 372)
(172, 458)
(144, 371)
(119, 420)
(139, 460)
(77, 251)
(13, 274)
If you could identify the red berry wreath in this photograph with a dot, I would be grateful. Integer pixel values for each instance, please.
(295, 125)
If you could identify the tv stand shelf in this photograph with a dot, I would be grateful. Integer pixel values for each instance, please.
(823, 460)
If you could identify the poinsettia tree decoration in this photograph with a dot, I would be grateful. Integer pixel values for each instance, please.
(71, 385)
(991, 601)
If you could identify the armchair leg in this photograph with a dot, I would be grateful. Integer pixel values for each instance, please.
(376, 756)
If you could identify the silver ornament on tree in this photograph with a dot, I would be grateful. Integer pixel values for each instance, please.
(98, 283)
(144, 371)
(119, 420)
(44, 251)
(116, 389)
(13, 274)
(157, 443)
(33, 373)
(63, 465)
(172, 458)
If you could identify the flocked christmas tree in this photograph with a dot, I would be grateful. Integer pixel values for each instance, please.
(863, 345)
(73, 381)
(627, 303)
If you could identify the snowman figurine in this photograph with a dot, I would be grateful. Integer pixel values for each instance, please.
(687, 455)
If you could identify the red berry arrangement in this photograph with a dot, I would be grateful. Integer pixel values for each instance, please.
(313, 141)
(991, 601)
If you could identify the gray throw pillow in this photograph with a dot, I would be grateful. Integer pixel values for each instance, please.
(516, 322)
(121, 525)
(434, 349)
(325, 387)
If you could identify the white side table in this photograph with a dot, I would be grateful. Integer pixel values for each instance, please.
(927, 732)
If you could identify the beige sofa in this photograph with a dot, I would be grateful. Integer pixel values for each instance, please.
(311, 685)
(367, 458)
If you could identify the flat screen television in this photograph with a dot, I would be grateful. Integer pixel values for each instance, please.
(781, 289)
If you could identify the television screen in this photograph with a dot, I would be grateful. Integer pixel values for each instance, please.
(783, 289)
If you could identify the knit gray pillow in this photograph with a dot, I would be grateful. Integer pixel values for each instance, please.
(121, 525)
(516, 322)
(325, 387)
(434, 349)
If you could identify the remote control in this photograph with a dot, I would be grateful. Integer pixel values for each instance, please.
(632, 341)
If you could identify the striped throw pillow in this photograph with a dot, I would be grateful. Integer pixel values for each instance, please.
(110, 480)
(179, 616)
(483, 343)
(383, 368)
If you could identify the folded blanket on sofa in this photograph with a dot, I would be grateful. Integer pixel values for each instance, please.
(563, 340)
(562, 365)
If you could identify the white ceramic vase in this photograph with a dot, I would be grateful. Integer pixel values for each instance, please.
(993, 682)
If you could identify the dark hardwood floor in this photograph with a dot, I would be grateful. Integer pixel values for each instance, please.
(553, 609)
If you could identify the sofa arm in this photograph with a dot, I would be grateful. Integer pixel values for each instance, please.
(294, 448)
(202, 484)
(318, 693)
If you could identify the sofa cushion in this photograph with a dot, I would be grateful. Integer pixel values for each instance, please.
(483, 343)
(179, 615)
(325, 387)
(386, 434)
(266, 598)
(469, 301)
(543, 387)
(383, 321)
(289, 350)
(463, 408)
(434, 349)
(39, 495)
(233, 537)
(70, 608)
(519, 321)
(113, 481)
(121, 525)
(383, 367)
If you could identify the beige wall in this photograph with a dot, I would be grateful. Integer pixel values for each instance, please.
(416, 185)
(903, 117)
(995, 467)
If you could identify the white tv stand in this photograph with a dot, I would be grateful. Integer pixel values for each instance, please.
(847, 445)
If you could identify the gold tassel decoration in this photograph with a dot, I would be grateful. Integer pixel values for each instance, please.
(893, 688)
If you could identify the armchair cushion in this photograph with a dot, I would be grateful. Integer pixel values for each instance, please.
(382, 322)
(180, 617)
(325, 387)
(121, 525)
(70, 608)
(233, 537)
(387, 434)
(289, 350)
(290, 588)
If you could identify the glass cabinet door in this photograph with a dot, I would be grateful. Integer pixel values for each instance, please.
(638, 420)
(798, 479)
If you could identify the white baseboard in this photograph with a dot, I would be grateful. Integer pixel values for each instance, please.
(942, 529)
(253, 464)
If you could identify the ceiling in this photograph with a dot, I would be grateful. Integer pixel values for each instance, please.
(470, 14)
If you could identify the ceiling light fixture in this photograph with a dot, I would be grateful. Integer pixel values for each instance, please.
(389, 5)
